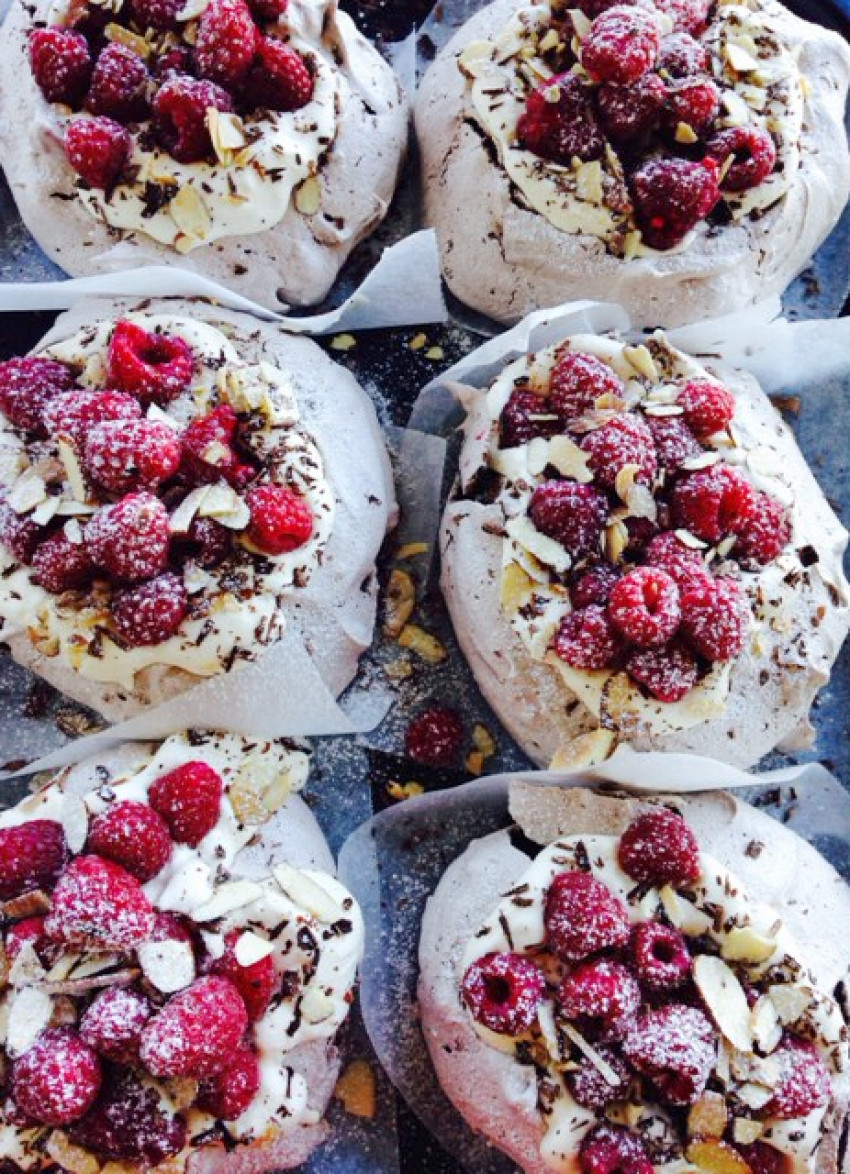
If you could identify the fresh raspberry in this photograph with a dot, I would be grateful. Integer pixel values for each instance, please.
(227, 42)
(572, 514)
(694, 101)
(26, 387)
(99, 905)
(196, 1032)
(434, 737)
(764, 531)
(126, 455)
(708, 406)
(644, 607)
(74, 413)
(804, 1081)
(578, 380)
(586, 640)
(624, 440)
(280, 519)
(151, 366)
(119, 85)
(176, 60)
(189, 800)
(32, 855)
(611, 1149)
(593, 586)
(61, 64)
(133, 835)
(753, 155)
(151, 612)
(129, 538)
(602, 996)
(659, 848)
(228, 1094)
(98, 149)
(19, 534)
(682, 563)
(112, 1025)
(715, 618)
(30, 931)
(170, 927)
(668, 674)
(256, 983)
(207, 447)
(621, 45)
(268, 9)
(57, 1080)
(590, 1088)
(503, 992)
(675, 1046)
(207, 543)
(526, 416)
(129, 1123)
(559, 122)
(681, 55)
(277, 80)
(710, 503)
(762, 1158)
(629, 113)
(180, 116)
(660, 955)
(583, 917)
(62, 565)
(156, 14)
(674, 441)
(671, 196)
(689, 16)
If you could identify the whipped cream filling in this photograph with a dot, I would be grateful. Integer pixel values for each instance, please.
(760, 85)
(517, 926)
(232, 613)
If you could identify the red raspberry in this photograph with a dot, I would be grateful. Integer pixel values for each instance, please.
(762, 1158)
(228, 1094)
(503, 992)
(661, 957)
(578, 380)
(583, 917)
(30, 931)
(708, 406)
(207, 452)
(207, 543)
(659, 848)
(268, 9)
(624, 440)
(590, 1088)
(151, 612)
(676, 1048)
(99, 905)
(256, 983)
(764, 531)
(129, 538)
(119, 85)
(133, 835)
(61, 64)
(177, 60)
(602, 996)
(126, 455)
(32, 855)
(611, 1149)
(156, 14)
(180, 116)
(682, 563)
(690, 16)
(563, 128)
(572, 514)
(227, 41)
(621, 45)
(668, 674)
(586, 640)
(113, 1024)
(196, 1032)
(169, 927)
(715, 618)
(674, 441)
(671, 196)
(644, 607)
(129, 1124)
(58, 1079)
(280, 519)
(593, 586)
(19, 534)
(753, 155)
(525, 416)
(804, 1081)
(189, 800)
(631, 112)
(26, 386)
(74, 413)
(694, 101)
(278, 78)
(711, 502)
(151, 366)
(62, 565)
(98, 149)
(434, 738)
(681, 55)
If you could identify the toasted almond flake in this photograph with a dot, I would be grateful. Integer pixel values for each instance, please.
(603, 1067)
(251, 948)
(357, 1090)
(73, 472)
(690, 540)
(316, 1006)
(516, 588)
(401, 791)
(616, 541)
(663, 410)
(474, 762)
(189, 213)
(483, 740)
(586, 750)
(791, 1002)
(739, 58)
(308, 196)
(70, 1157)
(523, 531)
(716, 1157)
(214, 943)
(418, 341)
(169, 965)
(632, 244)
(743, 944)
(570, 460)
(426, 646)
(259, 789)
(228, 897)
(642, 361)
(26, 968)
(48, 509)
(708, 1116)
(225, 505)
(399, 603)
(624, 481)
(31, 904)
(192, 9)
(29, 1015)
(754, 1096)
(183, 516)
(745, 1130)
(580, 22)
(132, 41)
(343, 342)
(74, 818)
(589, 182)
(686, 134)
(73, 531)
(475, 57)
(307, 893)
(725, 999)
(703, 460)
(683, 914)
(28, 492)
(435, 353)
(766, 1025)
(548, 41)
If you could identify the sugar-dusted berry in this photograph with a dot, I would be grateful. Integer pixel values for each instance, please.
(602, 997)
(671, 196)
(623, 440)
(113, 1023)
(612, 1149)
(62, 565)
(99, 905)
(73, 414)
(281, 520)
(156, 14)
(681, 55)
(671, 554)
(180, 108)
(710, 503)
(693, 102)
(572, 514)
(435, 736)
(659, 848)
(151, 612)
(559, 121)
(525, 416)
(151, 365)
(57, 1079)
(674, 442)
(126, 455)
(278, 78)
(32, 855)
(804, 1080)
(676, 1047)
(586, 639)
(753, 156)
(98, 149)
(207, 446)
(256, 983)
(644, 607)
(593, 586)
(660, 955)
(708, 405)
(189, 800)
(621, 45)
(227, 42)
(119, 85)
(583, 917)
(715, 618)
(27, 385)
(19, 533)
(577, 382)
(229, 1093)
(629, 113)
(129, 539)
(503, 992)
(61, 64)
(668, 674)
(133, 835)
(593, 1090)
(130, 1123)
(764, 530)
(196, 1032)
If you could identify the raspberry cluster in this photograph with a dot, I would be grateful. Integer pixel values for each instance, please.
(652, 99)
(144, 71)
(656, 610)
(137, 469)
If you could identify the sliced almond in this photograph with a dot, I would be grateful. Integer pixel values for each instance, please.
(227, 897)
(399, 603)
(70, 1157)
(716, 1157)
(642, 361)
(766, 1025)
(184, 515)
(308, 196)
(251, 948)
(189, 213)
(791, 1002)
(754, 1096)
(31, 904)
(744, 944)
(28, 492)
(29, 1015)
(516, 589)
(73, 471)
(570, 460)
(74, 818)
(725, 999)
(745, 1130)
(708, 1116)
(168, 965)
(26, 968)
(587, 1049)
(304, 891)
(316, 1006)
(426, 646)
(357, 1090)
